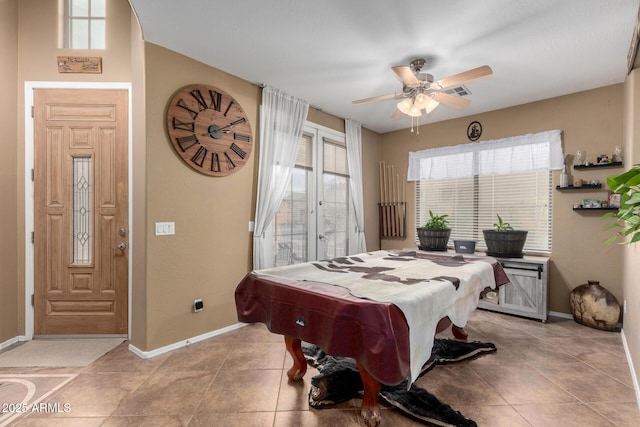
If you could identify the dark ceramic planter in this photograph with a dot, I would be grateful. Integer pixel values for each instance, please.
(506, 244)
(433, 240)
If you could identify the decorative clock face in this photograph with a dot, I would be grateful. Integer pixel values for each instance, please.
(209, 130)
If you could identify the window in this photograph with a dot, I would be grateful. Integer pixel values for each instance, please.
(315, 219)
(85, 24)
(473, 183)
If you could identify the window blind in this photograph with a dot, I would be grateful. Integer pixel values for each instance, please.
(473, 203)
(473, 183)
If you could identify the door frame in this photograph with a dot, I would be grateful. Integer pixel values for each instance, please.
(29, 87)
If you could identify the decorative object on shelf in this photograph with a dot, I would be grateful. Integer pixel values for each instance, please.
(464, 246)
(602, 159)
(591, 203)
(434, 235)
(393, 202)
(565, 177)
(474, 131)
(594, 306)
(504, 241)
(209, 130)
(581, 157)
(618, 154)
(627, 185)
(577, 183)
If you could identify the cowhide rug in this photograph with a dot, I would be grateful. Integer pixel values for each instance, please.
(339, 381)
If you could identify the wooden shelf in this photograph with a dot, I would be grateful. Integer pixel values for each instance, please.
(597, 166)
(582, 187)
(595, 209)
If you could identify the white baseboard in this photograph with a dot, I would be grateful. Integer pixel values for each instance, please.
(634, 376)
(157, 352)
(12, 341)
(562, 315)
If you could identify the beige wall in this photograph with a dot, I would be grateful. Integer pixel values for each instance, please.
(589, 120)
(631, 288)
(8, 172)
(212, 248)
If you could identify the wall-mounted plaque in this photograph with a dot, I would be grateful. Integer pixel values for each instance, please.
(80, 64)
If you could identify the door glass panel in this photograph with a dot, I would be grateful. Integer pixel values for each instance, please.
(335, 194)
(82, 230)
(291, 223)
(335, 215)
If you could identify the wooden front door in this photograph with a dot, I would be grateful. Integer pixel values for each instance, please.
(81, 232)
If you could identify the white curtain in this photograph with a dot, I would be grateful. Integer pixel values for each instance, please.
(282, 119)
(512, 155)
(354, 159)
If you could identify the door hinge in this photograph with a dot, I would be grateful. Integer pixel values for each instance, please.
(32, 111)
(33, 237)
(33, 175)
(33, 299)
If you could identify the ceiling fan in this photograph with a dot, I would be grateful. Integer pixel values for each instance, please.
(420, 91)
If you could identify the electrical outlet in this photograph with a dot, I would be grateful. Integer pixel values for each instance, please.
(198, 305)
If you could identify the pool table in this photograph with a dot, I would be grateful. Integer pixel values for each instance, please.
(327, 303)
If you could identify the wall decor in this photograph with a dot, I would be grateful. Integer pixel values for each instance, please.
(80, 64)
(474, 131)
(209, 130)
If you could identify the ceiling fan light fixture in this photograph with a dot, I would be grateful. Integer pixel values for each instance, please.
(405, 105)
(421, 100)
(431, 105)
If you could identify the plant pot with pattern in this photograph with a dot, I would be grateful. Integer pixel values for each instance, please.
(503, 241)
(434, 235)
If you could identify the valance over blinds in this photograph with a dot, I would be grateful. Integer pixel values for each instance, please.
(513, 155)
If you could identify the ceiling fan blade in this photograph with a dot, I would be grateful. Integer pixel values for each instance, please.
(405, 74)
(466, 76)
(451, 100)
(379, 98)
(397, 115)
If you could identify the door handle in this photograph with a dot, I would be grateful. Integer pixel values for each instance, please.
(122, 246)
(321, 237)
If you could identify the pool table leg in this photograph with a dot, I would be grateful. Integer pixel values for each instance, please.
(458, 332)
(370, 405)
(299, 368)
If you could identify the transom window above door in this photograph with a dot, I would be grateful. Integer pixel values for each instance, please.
(84, 24)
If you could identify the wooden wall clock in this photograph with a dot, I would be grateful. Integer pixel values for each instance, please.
(209, 130)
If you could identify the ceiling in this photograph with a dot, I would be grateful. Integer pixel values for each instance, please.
(331, 52)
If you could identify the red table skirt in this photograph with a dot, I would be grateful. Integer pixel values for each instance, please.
(374, 333)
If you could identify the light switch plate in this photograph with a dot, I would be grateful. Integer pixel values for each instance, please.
(165, 228)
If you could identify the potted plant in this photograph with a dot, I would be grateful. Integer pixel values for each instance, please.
(504, 241)
(626, 184)
(434, 235)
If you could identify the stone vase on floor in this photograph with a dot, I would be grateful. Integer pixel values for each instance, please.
(593, 305)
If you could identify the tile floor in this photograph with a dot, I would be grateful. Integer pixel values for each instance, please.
(554, 374)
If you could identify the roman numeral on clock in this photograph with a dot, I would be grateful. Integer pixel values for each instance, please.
(200, 98)
(239, 151)
(241, 137)
(216, 100)
(230, 164)
(184, 105)
(200, 156)
(180, 125)
(215, 162)
(228, 108)
(187, 142)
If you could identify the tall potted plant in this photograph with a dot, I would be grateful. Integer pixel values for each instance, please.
(434, 235)
(504, 241)
(626, 184)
